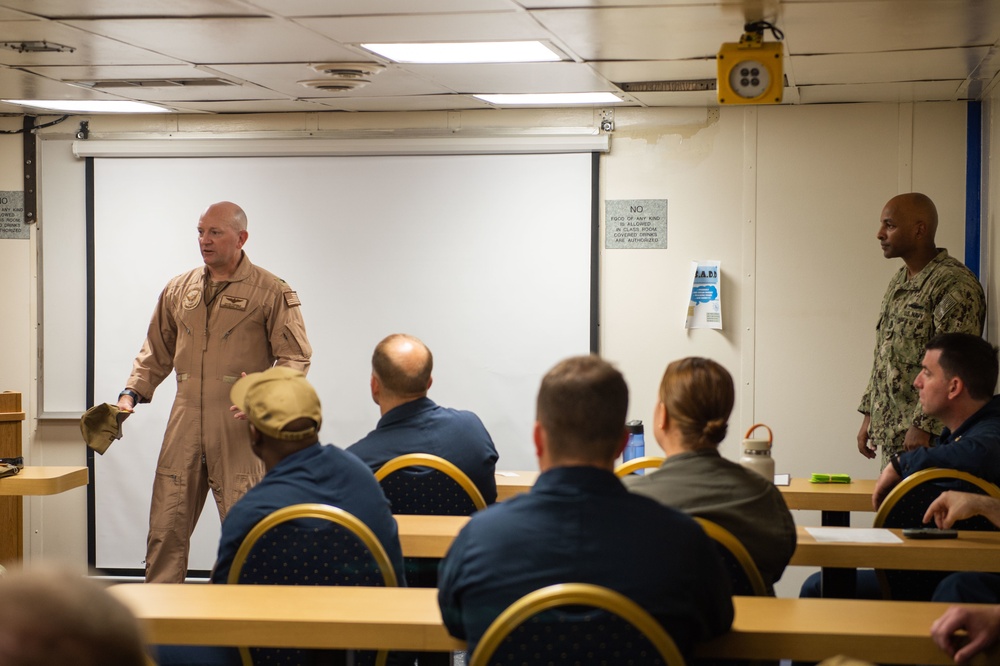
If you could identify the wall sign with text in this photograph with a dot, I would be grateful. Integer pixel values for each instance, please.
(635, 224)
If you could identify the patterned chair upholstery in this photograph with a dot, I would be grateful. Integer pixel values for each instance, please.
(427, 485)
(576, 623)
(905, 506)
(634, 465)
(311, 544)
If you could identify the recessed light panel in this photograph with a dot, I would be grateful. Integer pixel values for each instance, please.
(465, 52)
(539, 99)
(89, 106)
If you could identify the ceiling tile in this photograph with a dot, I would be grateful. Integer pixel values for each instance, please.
(229, 40)
(645, 33)
(506, 26)
(889, 25)
(548, 77)
(285, 78)
(405, 103)
(881, 92)
(121, 8)
(843, 68)
(89, 48)
(376, 7)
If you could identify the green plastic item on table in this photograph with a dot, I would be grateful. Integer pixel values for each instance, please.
(830, 478)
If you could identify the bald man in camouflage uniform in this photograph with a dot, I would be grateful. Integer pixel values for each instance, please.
(932, 293)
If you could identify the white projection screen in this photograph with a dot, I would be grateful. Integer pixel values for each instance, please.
(487, 258)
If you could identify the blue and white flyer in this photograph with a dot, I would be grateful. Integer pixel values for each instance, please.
(705, 307)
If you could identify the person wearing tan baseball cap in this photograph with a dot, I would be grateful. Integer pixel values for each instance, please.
(284, 417)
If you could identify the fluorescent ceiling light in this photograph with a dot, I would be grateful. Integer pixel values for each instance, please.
(89, 106)
(540, 99)
(466, 52)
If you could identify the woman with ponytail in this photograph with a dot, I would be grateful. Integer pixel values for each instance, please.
(689, 422)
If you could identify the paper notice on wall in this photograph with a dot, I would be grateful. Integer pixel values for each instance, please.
(705, 308)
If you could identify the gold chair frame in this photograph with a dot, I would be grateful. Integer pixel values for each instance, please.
(729, 541)
(323, 512)
(923, 476)
(575, 594)
(906, 485)
(434, 462)
(643, 462)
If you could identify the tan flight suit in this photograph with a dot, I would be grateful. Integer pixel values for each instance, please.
(253, 323)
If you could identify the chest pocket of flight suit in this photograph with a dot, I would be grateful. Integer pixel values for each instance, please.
(242, 343)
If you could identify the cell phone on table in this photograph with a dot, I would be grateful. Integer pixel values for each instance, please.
(929, 533)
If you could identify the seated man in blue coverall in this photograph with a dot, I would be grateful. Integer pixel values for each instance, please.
(579, 524)
(956, 382)
(284, 417)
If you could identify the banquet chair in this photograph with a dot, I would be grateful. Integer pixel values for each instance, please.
(743, 572)
(311, 544)
(576, 623)
(905, 506)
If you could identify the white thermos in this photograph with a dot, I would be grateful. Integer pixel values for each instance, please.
(757, 453)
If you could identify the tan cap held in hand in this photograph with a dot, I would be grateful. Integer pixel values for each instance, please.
(101, 425)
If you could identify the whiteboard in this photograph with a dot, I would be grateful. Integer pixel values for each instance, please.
(487, 258)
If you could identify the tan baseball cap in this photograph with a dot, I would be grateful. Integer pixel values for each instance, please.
(101, 425)
(274, 398)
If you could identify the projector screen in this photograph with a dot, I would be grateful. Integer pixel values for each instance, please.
(487, 258)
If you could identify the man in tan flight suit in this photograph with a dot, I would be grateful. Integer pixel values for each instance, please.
(210, 325)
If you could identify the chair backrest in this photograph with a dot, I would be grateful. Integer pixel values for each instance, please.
(743, 572)
(575, 623)
(906, 505)
(635, 464)
(424, 484)
(310, 544)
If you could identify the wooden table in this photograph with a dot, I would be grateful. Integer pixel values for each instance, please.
(971, 551)
(44, 480)
(834, 500)
(887, 632)
(288, 616)
(428, 536)
(508, 486)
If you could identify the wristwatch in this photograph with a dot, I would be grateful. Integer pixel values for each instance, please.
(894, 461)
(136, 398)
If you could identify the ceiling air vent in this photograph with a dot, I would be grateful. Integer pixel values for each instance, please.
(691, 85)
(348, 70)
(153, 83)
(343, 76)
(335, 85)
(37, 46)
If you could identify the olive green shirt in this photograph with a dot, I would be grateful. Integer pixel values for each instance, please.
(944, 297)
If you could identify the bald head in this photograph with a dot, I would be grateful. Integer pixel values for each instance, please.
(907, 228)
(915, 208)
(226, 212)
(401, 369)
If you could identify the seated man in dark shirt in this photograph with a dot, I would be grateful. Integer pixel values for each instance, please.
(413, 423)
(956, 382)
(285, 417)
(579, 524)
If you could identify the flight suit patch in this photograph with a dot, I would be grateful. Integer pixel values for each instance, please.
(292, 299)
(192, 298)
(233, 303)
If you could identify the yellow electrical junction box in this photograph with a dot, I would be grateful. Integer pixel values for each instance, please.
(750, 72)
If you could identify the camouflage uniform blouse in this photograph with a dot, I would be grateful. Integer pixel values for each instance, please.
(944, 297)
